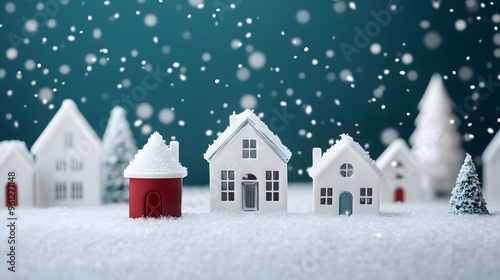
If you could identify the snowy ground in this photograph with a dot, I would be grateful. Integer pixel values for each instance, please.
(405, 242)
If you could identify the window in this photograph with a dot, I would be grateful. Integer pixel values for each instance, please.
(76, 165)
(272, 185)
(365, 196)
(249, 148)
(68, 140)
(60, 165)
(326, 196)
(77, 190)
(346, 170)
(227, 185)
(60, 191)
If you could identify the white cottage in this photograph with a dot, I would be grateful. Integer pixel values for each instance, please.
(17, 160)
(345, 180)
(67, 160)
(401, 182)
(248, 167)
(491, 170)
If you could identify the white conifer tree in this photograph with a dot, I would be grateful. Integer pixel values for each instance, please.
(437, 149)
(119, 149)
(467, 196)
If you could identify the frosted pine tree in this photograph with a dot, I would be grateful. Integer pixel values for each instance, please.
(467, 196)
(119, 149)
(437, 145)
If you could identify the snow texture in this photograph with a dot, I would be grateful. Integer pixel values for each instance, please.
(467, 196)
(118, 149)
(233, 127)
(404, 242)
(9, 145)
(155, 160)
(345, 140)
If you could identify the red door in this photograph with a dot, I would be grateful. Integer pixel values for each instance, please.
(399, 195)
(11, 194)
(153, 205)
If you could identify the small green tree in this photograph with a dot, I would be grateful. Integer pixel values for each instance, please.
(467, 195)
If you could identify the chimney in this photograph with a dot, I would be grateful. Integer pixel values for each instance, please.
(233, 119)
(174, 148)
(316, 156)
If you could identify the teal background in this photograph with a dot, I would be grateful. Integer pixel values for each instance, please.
(195, 98)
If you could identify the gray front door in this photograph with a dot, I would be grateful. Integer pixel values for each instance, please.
(345, 204)
(250, 196)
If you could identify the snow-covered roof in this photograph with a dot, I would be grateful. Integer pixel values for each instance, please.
(345, 142)
(397, 146)
(155, 160)
(247, 117)
(68, 110)
(10, 147)
(492, 149)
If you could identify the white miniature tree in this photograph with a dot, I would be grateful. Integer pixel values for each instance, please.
(119, 149)
(467, 196)
(437, 150)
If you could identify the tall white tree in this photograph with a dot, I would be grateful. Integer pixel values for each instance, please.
(437, 145)
(119, 148)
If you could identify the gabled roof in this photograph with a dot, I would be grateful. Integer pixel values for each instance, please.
(10, 148)
(493, 148)
(240, 121)
(155, 160)
(68, 110)
(397, 146)
(345, 142)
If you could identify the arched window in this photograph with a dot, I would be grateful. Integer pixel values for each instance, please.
(346, 170)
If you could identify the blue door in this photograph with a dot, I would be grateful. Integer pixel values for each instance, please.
(345, 204)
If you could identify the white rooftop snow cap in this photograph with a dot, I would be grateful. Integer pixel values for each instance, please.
(155, 160)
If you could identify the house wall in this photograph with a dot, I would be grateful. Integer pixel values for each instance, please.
(491, 178)
(231, 159)
(361, 178)
(410, 181)
(169, 189)
(25, 180)
(47, 175)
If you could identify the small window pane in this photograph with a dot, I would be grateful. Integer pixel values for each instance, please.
(268, 175)
(369, 200)
(349, 166)
(223, 175)
(343, 173)
(369, 191)
(253, 153)
(276, 186)
(362, 192)
(323, 201)
(224, 186)
(269, 186)
(245, 144)
(269, 196)
(276, 196)
(224, 196)
(231, 186)
(323, 191)
(329, 201)
(330, 191)
(245, 154)
(362, 200)
(253, 143)
(231, 175)
(349, 173)
(343, 166)
(231, 196)
(276, 175)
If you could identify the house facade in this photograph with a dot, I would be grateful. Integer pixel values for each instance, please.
(156, 180)
(491, 170)
(346, 180)
(248, 167)
(67, 160)
(401, 181)
(16, 160)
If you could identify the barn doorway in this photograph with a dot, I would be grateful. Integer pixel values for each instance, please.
(399, 195)
(250, 192)
(153, 205)
(345, 204)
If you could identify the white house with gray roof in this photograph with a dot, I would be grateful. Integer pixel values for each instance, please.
(248, 167)
(346, 180)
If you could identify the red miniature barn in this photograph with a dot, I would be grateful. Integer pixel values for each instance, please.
(155, 197)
